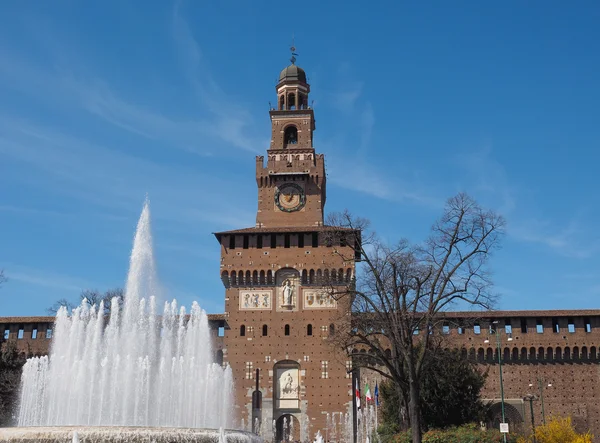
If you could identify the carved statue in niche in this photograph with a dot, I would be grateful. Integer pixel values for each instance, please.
(288, 384)
(288, 293)
(288, 284)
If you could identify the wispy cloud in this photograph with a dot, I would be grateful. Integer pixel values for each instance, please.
(355, 167)
(367, 122)
(113, 179)
(361, 176)
(32, 211)
(66, 83)
(488, 178)
(45, 279)
(230, 120)
(345, 98)
(570, 241)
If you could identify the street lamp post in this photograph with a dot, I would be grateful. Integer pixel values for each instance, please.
(500, 369)
(541, 383)
(530, 398)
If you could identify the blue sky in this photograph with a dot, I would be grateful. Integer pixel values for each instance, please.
(103, 103)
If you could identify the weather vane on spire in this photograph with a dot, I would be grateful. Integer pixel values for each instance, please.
(293, 49)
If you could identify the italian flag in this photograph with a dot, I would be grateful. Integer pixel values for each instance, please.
(368, 396)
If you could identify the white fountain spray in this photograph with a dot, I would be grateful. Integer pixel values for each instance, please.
(136, 369)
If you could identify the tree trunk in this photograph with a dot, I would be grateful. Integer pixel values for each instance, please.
(414, 409)
(403, 419)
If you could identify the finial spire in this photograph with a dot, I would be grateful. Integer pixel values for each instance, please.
(293, 50)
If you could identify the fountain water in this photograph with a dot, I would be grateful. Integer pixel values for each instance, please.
(134, 369)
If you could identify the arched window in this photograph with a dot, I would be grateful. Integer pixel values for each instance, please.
(233, 278)
(263, 280)
(290, 136)
(225, 278)
(282, 102)
(480, 355)
(304, 277)
(286, 330)
(291, 101)
(309, 330)
(311, 277)
(219, 357)
(243, 331)
(331, 329)
(302, 101)
(255, 278)
(265, 330)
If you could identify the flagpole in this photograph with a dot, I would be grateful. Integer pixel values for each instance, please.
(376, 395)
(376, 403)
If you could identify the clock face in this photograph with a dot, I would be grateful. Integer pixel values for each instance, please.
(290, 197)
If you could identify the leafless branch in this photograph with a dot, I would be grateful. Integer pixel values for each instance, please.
(91, 297)
(402, 291)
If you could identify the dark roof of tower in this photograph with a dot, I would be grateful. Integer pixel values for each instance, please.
(282, 229)
(292, 73)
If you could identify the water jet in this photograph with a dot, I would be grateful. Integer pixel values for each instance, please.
(130, 376)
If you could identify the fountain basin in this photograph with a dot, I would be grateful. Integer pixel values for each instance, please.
(124, 434)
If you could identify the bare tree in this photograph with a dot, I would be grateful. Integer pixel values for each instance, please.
(91, 297)
(402, 292)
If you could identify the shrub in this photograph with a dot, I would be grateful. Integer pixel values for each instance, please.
(558, 430)
(463, 434)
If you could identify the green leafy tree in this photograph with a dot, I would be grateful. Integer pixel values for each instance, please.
(450, 394)
(11, 363)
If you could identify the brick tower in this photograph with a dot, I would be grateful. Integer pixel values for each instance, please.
(279, 313)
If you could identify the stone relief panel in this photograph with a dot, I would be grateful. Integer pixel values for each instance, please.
(288, 388)
(287, 282)
(255, 300)
(318, 299)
